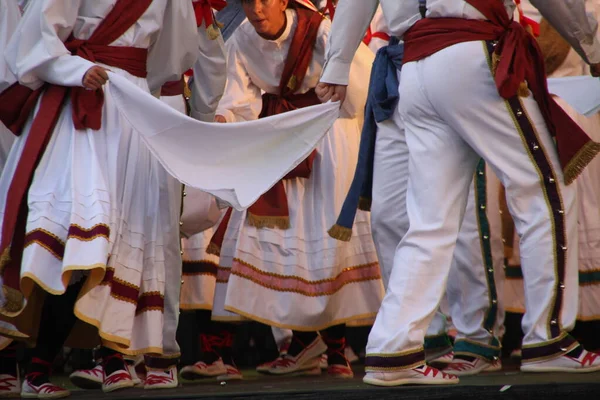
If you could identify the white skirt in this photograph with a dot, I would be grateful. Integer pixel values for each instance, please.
(200, 272)
(94, 206)
(301, 278)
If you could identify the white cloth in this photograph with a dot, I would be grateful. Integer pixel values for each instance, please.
(353, 18)
(452, 117)
(95, 194)
(298, 278)
(581, 92)
(209, 82)
(266, 151)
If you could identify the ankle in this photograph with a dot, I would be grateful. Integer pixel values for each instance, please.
(112, 362)
(299, 342)
(39, 372)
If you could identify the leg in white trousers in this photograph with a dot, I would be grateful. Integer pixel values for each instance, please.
(453, 116)
(475, 309)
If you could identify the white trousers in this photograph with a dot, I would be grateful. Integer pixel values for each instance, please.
(475, 308)
(453, 115)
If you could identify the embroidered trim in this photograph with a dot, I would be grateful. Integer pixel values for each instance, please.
(550, 349)
(264, 221)
(86, 235)
(549, 185)
(395, 361)
(324, 287)
(584, 156)
(480, 183)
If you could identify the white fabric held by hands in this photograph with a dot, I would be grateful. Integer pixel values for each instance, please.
(235, 162)
(581, 92)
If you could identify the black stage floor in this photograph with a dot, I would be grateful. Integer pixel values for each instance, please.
(506, 385)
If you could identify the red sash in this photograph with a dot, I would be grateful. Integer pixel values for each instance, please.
(518, 63)
(87, 113)
(173, 88)
(271, 209)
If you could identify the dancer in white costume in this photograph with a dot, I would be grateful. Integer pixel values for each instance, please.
(445, 143)
(477, 313)
(82, 213)
(283, 269)
(206, 91)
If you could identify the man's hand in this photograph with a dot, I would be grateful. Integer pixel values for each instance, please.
(595, 69)
(327, 91)
(95, 78)
(220, 119)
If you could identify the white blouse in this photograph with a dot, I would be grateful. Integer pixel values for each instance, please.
(36, 54)
(255, 66)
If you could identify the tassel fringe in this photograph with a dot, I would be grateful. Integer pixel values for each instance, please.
(260, 221)
(4, 259)
(340, 233)
(581, 160)
(213, 32)
(523, 90)
(214, 250)
(364, 204)
(13, 301)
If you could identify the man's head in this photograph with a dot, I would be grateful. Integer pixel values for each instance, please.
(266, 16)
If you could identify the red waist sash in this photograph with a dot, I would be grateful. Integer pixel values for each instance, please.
(518, 66)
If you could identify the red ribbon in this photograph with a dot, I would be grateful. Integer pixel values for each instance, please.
(204, 13)
(526, 21)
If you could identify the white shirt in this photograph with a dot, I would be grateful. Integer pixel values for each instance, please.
(255, 66)
(353, 18)
(36, 53)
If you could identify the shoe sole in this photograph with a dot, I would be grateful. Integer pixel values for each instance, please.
(194, 376)
(560, 369)
(157, 387)
(495, 369)
(230, 378)
(83, 383)
(117, 386)
(15, 395)
(303, 368)
(410, 381)
(348, 376)
(472, 372)
(47, 397)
